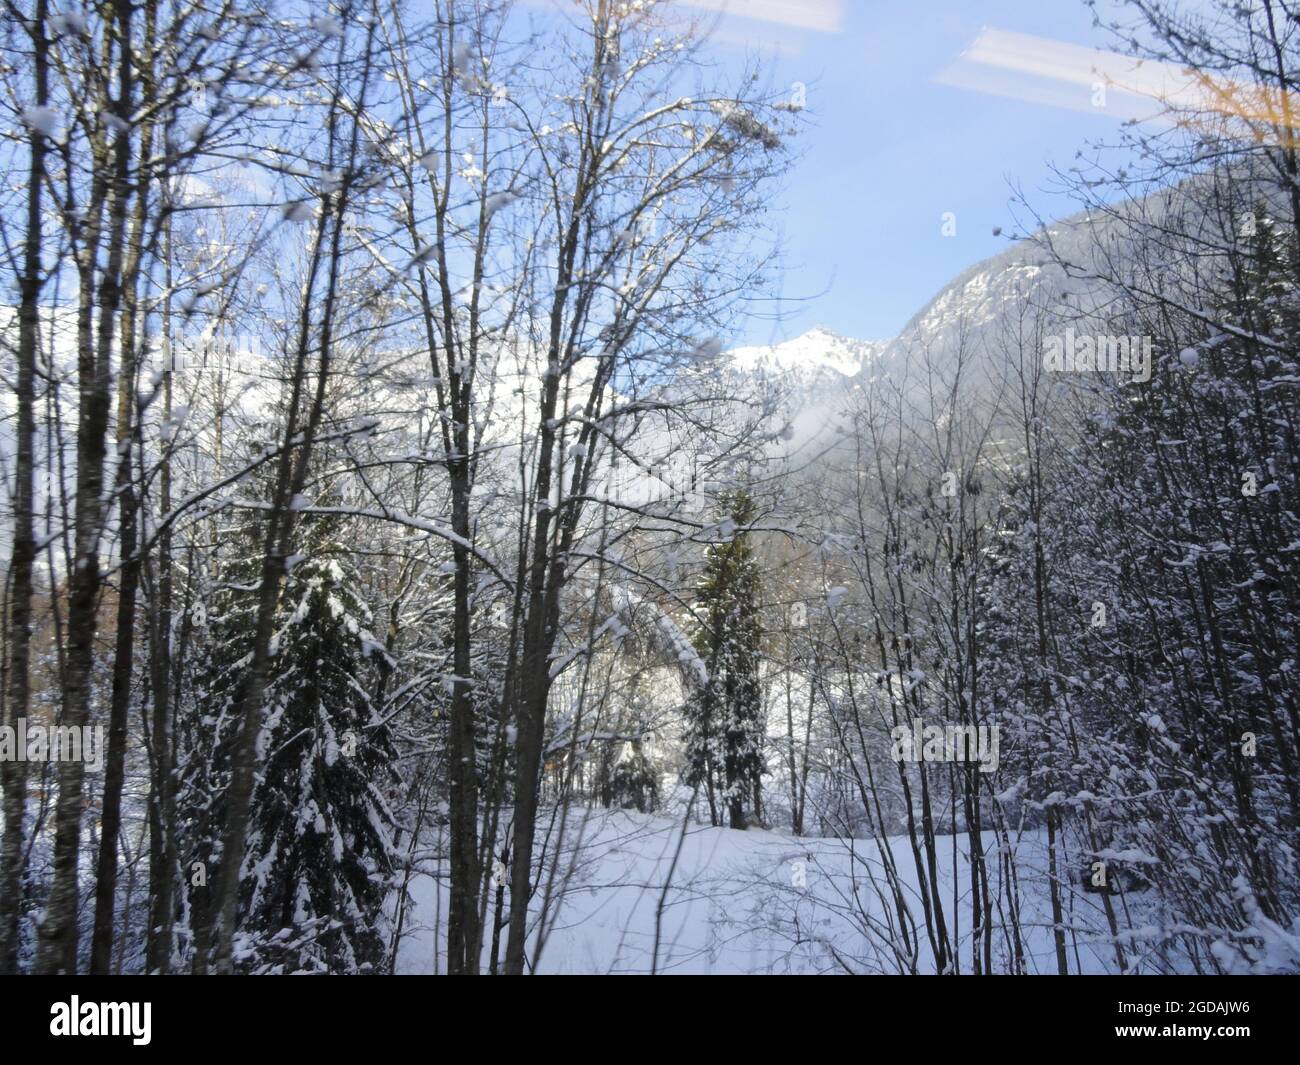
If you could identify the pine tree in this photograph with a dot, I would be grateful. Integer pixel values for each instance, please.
(726, 727)
(319, 860)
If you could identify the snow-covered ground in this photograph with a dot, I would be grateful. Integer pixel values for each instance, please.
(630, 894)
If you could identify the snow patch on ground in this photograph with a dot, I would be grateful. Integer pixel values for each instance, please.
(729, 902)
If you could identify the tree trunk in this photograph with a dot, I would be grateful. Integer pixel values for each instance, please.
(162, 851)
(13, 774)
(101, 947)
(57, 951)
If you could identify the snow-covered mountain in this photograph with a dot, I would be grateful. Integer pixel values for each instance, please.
(971, 309)
(816, 350)
(813, 373)
(988, 308)
(976, 311)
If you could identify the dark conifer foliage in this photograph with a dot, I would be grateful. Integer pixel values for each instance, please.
(727, 724)
(320, 861)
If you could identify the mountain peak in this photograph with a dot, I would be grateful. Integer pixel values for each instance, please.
(820, 348)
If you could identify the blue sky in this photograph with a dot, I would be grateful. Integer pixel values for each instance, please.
(891, 147)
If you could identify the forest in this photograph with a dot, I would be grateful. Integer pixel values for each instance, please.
(406, 568)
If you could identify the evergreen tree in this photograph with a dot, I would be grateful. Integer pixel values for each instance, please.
(319, 860)
(633, 783)
(726, 727)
